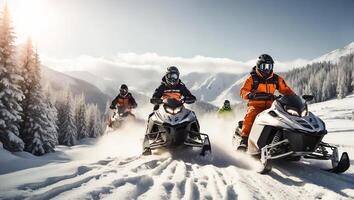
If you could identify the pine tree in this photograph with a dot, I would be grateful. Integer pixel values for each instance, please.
(10, 93)
(66, 126)
(80, 117)
(52, 114)
(342, 84)
(51, 136)
(37, 130)
(94, 122)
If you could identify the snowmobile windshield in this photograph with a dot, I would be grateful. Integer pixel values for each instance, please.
(294, 105)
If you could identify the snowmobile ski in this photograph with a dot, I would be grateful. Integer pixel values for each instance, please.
(342, 166)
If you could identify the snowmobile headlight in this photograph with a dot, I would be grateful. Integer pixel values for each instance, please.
(292, 112)
(173, 111)
(177, 110)
(169, 110)
(304, 113)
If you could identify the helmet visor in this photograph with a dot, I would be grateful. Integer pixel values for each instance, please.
(266, 67)
(172, 76)
(123, 91)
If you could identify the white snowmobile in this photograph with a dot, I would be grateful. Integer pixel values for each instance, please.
(173, 125)
(118, 117)
(287, 130)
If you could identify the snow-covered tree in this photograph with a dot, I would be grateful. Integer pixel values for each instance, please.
(80, 117)
(324, 80)
(37, 129)
(66, 126)
(94, 121)
(10, 93)
(51, 136)
(342, 84)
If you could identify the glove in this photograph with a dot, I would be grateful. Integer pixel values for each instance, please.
(112, 107)
(251, 95)
(188, 100)
(263, 96)
(156, 101)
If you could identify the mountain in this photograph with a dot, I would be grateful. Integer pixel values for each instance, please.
(334, 55)
(213, 88)
(109, 78)
(60, 81)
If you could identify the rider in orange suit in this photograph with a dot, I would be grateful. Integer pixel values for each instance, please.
(261, 82)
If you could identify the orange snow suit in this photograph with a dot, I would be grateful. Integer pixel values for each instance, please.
(272, 83)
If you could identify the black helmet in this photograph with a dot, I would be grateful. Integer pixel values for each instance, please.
(172, 75)
(265, 64)
(123, 90)
(227, 104)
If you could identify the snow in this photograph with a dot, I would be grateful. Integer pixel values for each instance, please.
(112, 168)
(335, 55)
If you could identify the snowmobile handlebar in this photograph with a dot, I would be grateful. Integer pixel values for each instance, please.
(263, 96)
(158, 101)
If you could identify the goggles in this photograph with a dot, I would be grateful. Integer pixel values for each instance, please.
(172, 76)
(123, 91)
(266, 67)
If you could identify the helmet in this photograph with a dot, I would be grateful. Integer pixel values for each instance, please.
(265, 64)
(172, 75)
(227, 104)
(123, 90)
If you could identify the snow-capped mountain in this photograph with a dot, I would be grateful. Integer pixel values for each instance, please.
(334, 55)
(109, 78)
(209, 87)
(60, 81)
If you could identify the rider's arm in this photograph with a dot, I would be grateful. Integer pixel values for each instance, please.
(284, 89)
(246, 88)
(114, 102)
(187, 95)
(158, 92)
(132, 102)
(156, 97)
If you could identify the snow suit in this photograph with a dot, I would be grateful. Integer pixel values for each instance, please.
(225, 112)
(124, 103)
(255, 83)
(177, 91)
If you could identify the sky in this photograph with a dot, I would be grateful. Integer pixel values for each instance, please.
(238, 30)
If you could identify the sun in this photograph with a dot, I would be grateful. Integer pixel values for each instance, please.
(29, 18)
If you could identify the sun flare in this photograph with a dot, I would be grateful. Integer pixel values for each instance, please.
(29, 18)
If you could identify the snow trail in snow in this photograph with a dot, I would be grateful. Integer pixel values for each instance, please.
(113, 168)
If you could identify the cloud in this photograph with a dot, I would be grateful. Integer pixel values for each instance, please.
(154, 61)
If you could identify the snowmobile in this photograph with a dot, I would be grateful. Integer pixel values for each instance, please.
(118, 117)
(287, 130)
(172, 125)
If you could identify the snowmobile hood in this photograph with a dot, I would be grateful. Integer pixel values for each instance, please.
(183, 116)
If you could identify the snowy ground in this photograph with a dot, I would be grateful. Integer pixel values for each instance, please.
(112, 168)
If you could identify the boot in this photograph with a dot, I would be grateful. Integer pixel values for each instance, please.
(243, 144)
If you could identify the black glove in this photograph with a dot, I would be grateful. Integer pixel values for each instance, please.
(188, 100)
(251, 95)
(156, 101)
(262, 96)
(112, 107)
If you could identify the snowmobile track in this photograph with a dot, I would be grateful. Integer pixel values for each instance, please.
(161, 177)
